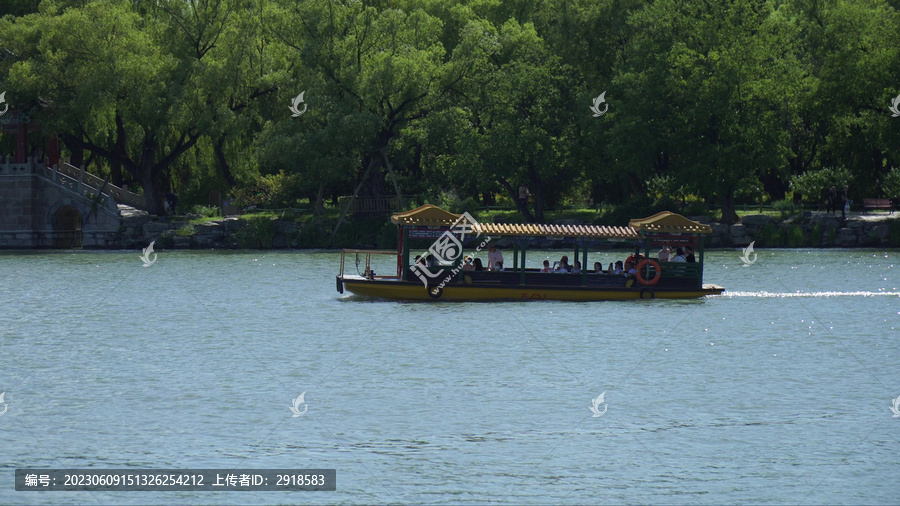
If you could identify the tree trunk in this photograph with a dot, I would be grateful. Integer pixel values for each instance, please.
(513, 193)
(153, 194)
(219, 150)
(539, 200)
(729, 216)
(76, 157)
(320, 201)
(537, 191)
(119, 148)
(115, 173)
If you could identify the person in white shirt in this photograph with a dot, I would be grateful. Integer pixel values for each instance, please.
(679, 256)
(664, 254)
(576, 269)
(494, 257)
(546, 267)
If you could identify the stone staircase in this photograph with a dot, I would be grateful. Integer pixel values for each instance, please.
(58, 207)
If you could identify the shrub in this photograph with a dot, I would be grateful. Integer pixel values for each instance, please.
(891, 184)
(186, 231)
(831, 236)
(815, 235)
(665, 188)
(313, 235)
(271, 191)
(771, 236)
(166, 240)
(794, 237)
(813, 184)
(258, 232)
(206, 211)
(783, 207)
(450, 201)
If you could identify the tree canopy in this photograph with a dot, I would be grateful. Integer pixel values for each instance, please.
(713, 102)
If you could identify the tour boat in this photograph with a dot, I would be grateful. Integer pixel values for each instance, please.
(441, 240)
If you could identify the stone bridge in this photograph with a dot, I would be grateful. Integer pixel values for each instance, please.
(58, 207)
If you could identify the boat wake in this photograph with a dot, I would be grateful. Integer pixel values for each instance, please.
(764, 294)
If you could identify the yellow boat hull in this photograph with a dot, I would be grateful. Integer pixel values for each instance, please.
(400, 290)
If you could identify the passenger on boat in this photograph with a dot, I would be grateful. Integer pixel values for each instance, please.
(618, 269)
(494, 256)
(562, 266)
(629, 269)
(610, 269)
(467, 264)
(679, 256)
(498, 266)
(664, 253)
(546, 267)
(598, 268)
(689, 254)
(478, 265)
(576, 269)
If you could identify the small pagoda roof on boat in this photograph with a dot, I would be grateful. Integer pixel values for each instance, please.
(669, 223)
(443, 237)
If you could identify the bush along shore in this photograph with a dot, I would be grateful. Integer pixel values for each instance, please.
(811, 229)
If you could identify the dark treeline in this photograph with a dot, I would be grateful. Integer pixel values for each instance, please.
(709, 103)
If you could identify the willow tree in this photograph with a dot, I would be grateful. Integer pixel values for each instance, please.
(137, 91)
(387, 63)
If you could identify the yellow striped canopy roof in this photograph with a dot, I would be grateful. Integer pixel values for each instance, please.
(664, 222)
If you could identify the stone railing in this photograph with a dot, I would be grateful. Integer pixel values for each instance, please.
(77, 180)
(122, 196)
(87, 190)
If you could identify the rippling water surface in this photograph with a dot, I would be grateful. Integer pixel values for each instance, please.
(776, 392)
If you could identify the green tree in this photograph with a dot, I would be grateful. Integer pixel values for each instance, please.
(700, 96)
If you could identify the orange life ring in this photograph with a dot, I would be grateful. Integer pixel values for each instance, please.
(639, 275)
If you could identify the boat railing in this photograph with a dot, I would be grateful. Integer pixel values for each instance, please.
(368, 273)
(680, 269)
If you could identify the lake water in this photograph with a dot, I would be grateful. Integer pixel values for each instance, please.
(778, 391)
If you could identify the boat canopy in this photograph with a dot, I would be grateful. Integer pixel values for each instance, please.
(426, 216)
(669, 223)
(544, 230)
(664, 222)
